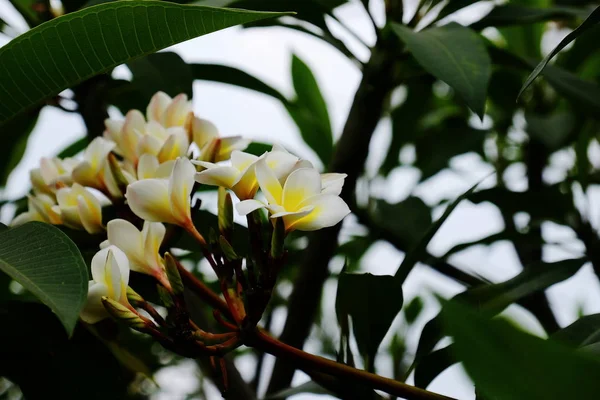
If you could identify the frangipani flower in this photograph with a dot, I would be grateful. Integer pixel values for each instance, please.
(110, 277)
(129, 134)
(240, 176)
(149, 167)
(300, 202)
(52, 172)
(141, 248)
(94, 171)
(39, 209)
(79, 208)
(169, 112)
(165, 200)
(212, 147)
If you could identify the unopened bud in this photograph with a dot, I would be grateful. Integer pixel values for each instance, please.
(227, 249)
(117, 174)
(173, 274)
(277, 240)
(225, 212)
(165, 296)
(213, 238)
(133, 297)
(121, 313)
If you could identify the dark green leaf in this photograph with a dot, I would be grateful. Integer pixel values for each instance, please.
(372, 312)
(413, 310)
(452, 6)
(309, 111)
(551, 130)
(354, 250)
(407, 220)
(455, 55)
(234, 76)
(506, 363)
(512, 236)
(432, 365)
(518, 14)
(592, 20)
(415, 254)
(13, 147)
(42, 259)
(74, 47)
(584, 331)
(165, 72)
(309, 387)
(74, 148)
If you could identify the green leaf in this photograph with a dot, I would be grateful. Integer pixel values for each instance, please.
(236, 77)
(308, 387)
(453, 6)
(408, 220)
(166, 72)
(309, 111)
(506, 363)
(583, 332)
(413, 310)
(74, 47)
(517, 14)
(13, 148)
(552, 130)
(455, 55)
(42, 259)
(372, 312)
(416, 254)
(592, 20)
(74, 148)
(432, 365)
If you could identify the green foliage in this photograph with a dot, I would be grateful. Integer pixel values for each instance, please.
(552, 371)
(97, 39)
(49, 265)
(455, 55)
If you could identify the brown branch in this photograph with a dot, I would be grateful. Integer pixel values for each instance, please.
(350, 156)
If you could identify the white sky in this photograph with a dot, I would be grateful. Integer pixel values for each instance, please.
(266, 53)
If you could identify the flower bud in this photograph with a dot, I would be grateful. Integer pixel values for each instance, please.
(227, 249)
(133, 297)
(121, 313)
(173, 274)
(277, 240)
(225, 212)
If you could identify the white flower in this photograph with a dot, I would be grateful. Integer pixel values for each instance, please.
(165, 143)
(300, 202)
(164, 200)
(240, 176)
(52, 173)
(110, 277)
(79, 208)
(94, 171)
(149, 167)
(141, 248)
(39, 209)
(169, 112)
(128, 137)
(212, 147)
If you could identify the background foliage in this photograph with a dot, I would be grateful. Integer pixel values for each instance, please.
(449, 90)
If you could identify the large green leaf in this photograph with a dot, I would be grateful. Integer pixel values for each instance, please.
(592, 20)
(583, 332)
(166, 72)
(67, 50)
(408, 219)
(13, 148)
(43, 259)
(455, 55)
(377, 292)
(517, 14)
(506, 363)
(309, 111)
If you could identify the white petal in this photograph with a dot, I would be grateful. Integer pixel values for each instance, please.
(328, 211)
(176, 113)
(332, 183)
(203, 131)
(94, 310)
(147, 166)
(148, 144)
(281, 163)
(149, 200)
(229, 145)
(97, 151)
(153, 234)
(302, 184)
(241, 161)
(268, 182)
(98, 264)
(113, 128)
(180, 188)
(90, 212)
(124, 235)
(176, 146)
(157, 106)
(218, 176)
(247, 206)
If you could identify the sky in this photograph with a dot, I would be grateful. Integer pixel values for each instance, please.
(266, 53)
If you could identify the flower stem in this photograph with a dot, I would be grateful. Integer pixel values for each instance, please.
(279, 349)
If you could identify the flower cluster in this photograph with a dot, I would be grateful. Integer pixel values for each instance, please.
(151, 163)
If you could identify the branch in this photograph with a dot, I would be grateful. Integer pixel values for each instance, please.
(350, 156)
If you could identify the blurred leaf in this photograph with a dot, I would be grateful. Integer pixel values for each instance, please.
(432, 365)
(408, 219)
(36, 354)
(547, 203)
(372, 312)
(413, 310)
(354, 250)
(258, 149)
(13, 147)
(416, 253)
(236, 77)
(584, 331)
(27, 9)
(584, 47)
(309, 111)
(552, 130)
(166, 72)
(308, 387)
(496, 355)
(517, 14)
(42, 259)
(74, 47)
(494, 298)
(511, 236)
(592, 20)
(455, 55)
(74, 148)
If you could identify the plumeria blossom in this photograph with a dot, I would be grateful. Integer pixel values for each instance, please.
(140, 247)
(240, 176)
(149, 167)
(300, 201)
(169, 111)
(164, 200)
(52, 172)
(212, 147)
(110, 277)
(39, 209)
(94, 171)
(79, 208)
